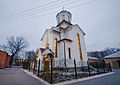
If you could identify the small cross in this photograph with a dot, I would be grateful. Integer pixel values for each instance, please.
(63, 8)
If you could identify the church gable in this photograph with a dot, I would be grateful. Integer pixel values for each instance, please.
(44, 34)
(47, 31)
(55, 31)
(65, 40)
(47, 51)
(76, 26)
(64, 24)
(40, 51)
(43, 52)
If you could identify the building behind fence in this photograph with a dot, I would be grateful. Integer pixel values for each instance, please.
(58, 73)
(64, 43)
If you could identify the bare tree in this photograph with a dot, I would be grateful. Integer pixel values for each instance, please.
(14, 46)
(103, 53)
(31, 55)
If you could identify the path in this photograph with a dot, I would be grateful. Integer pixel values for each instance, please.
(16, 76)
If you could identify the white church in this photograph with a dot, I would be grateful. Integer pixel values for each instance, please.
(63, 43)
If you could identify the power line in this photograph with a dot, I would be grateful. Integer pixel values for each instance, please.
(53, 3)
(49, 7)
(85, 3)
(92, 1)
(33, 8)
(37, 16)
(43, 10)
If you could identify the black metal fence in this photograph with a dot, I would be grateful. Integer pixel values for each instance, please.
(73, 70)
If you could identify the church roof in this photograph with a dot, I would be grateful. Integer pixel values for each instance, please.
(55, 31)
(42, 49)
(93, 58)
(65, 39)
(114, 55)
(44, 34)
(64, 11)
(79, 28)
(48, 30)
(62, 22)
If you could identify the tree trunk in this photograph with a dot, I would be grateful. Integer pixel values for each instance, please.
(11, 60)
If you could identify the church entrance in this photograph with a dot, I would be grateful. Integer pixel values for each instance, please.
(47, 62)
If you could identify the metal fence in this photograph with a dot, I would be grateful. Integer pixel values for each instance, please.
(58, 72)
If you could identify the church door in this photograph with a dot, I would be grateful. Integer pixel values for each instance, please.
(46, 64)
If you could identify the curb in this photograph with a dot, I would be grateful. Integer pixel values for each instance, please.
(38, 78)
(67, 82)
(83, 79)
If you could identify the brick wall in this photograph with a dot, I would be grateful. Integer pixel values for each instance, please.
(111, 60)
(7, 61)
(3, 56)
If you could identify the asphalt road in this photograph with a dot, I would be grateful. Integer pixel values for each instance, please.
(112, 79)
(16, 76)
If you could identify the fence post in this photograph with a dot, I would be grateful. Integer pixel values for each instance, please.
(97, 67)
(34, 68)
(107, 67)
(75, 69)
(88, 68)
(29, 65)
(51, 81)
(103, 66)
(38, 67)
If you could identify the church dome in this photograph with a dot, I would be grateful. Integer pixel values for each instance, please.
(64, 15)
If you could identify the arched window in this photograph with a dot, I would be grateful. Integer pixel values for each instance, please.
(55, 47)
(68, 18)
(63, 17)
(58, 19)
(79, 46)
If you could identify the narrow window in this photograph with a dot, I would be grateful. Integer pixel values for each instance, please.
(55, 47)
(69, 50)
(63, 17)
(58, 20)
(69, 18)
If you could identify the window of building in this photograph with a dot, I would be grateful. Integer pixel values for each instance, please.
(63, 17)
(68, 18)
(58, 20)
(69, 51)
(55, 47)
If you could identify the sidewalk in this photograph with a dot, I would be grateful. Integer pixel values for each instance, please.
(16, 76)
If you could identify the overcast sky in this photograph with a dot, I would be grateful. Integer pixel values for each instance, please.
(99, 19)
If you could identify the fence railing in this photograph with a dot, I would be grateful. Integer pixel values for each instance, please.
(57, 72)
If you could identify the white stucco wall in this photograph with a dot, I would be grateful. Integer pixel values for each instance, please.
(69, 33)
(75, 47)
